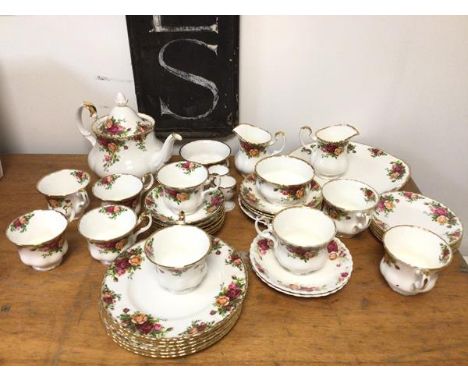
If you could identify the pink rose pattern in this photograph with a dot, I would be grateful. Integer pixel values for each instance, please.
(444, 254)
(21, 224)
(108, 181)
(197, 327)
(411, 196)
(111, 147)
(369, 195)
(301, 253)
(235, 260)
(291, 192)
(188, 167)
(441, 214)
(215, 200)
(376, 152)
(386, 204)
(251, 150)
(143, 324)
(111, 211)
(51, 248)
(396, 171)
(229, 296)
(80, 176)
(264, 245)
(333, 150)
(334, 212)
(248, 195)
(127, 263)
(109, 297)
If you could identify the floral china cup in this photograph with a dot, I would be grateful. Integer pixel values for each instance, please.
(39, 237)
(300, 236)
(123, 142)
(413, 258)
(206, 152)
(65, 191)
(179, 253)
(350, 203)
(185, 185)
(253, 146)
(329, 155)
(123, 189)
(284, 180)
(112, 229)
(227, 186)
(218, 169)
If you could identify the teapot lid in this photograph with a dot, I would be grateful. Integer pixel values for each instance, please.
(123, 121)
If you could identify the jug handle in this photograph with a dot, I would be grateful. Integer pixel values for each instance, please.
(86, 132)
(310, 134)
(278, 135)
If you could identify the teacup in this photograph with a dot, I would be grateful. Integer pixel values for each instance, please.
(179, 253)
(218, 169)
(413, 258)
(227, 186)
(123, 189)
(39, 237)
(206, 152)
(300, 236)
(350, 203)
(284, 180)
(185, 185)
(112, 229)
(65, 191)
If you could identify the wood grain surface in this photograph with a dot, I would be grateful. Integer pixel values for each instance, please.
(51, 318)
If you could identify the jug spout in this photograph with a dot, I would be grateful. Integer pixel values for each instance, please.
(337, 133)
(165, 153)
(252, 134)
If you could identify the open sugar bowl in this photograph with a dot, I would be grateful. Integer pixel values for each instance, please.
(300, 236)
(39, 237)
(65, 191)
(206, 152)
(413, 259)
(284, 180)
(185, 186)
(179, 254)
(350, 203)
(112, 229)
(123, 189)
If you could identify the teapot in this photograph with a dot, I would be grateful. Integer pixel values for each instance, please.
(123, 141)
(254, 143)
(329, 150)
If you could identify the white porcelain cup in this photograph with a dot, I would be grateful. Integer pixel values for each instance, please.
(179, 253)
(284, 180)
(218, 169)
(39, 237)
(206, 152)
(413, 259)
(227, 186)
(112, 229)
(123, 189)
(350, 203)
(300, 236)
(185, 185)
(65, 191)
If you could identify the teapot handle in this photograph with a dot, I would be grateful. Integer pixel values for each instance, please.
(86, 132)
(301, 136)
(278, 135)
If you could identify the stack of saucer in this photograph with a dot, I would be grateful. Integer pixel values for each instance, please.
(209, 216)
(300, 256)
(409, 208)
(144, 312)
(254, 205)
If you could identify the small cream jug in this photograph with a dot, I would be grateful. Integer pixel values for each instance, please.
(123, 141)
(254, 143)
(329, 149)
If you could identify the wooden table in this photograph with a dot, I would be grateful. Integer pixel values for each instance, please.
(52, 318)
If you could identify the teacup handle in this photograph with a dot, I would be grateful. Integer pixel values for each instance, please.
(148, 181)
(213, 181)
(310, 134)
(362, 220)
(140, 229)
(278, 135)
(83, 203)
(266, 233)
(421, 281)
(86, 132)
(181, 219)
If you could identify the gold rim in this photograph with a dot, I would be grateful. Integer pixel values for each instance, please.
(377, 195)
(62, 196)
(284, 185)
(209, 163)
(356, 132)
(394, 257)
(181, 188)
(255, 144)
(98, 182)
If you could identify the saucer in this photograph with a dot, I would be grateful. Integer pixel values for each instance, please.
(370, 165)
(154, 204)
(327, 280)
(409, 208)
(142, 310)
(251, 196)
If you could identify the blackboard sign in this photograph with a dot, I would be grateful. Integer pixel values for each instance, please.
(186, 71)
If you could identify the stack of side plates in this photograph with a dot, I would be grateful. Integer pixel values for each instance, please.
(409, 208)
(142, 317)
(209, 217)
(254, 205)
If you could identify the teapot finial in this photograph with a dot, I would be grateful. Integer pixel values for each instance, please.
(120, 99)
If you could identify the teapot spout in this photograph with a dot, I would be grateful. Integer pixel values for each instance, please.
(166, 151)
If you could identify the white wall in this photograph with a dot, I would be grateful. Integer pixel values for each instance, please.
(403, 81)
